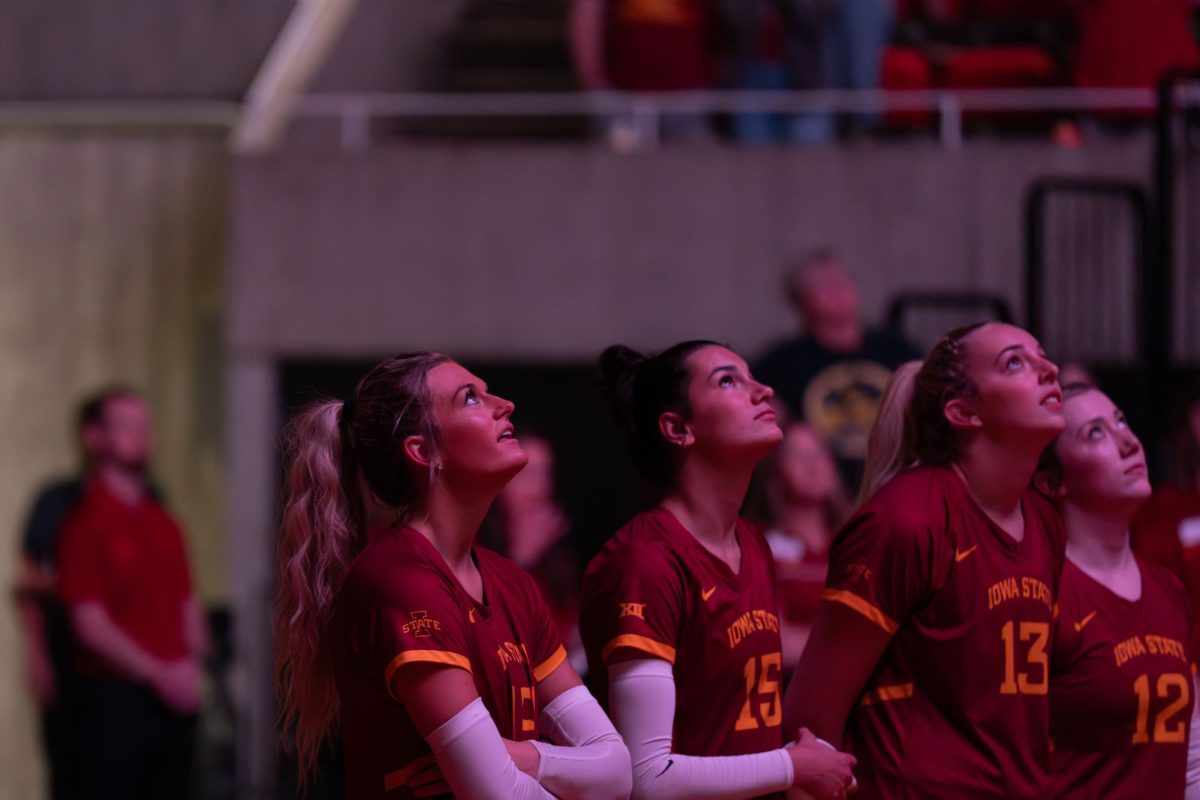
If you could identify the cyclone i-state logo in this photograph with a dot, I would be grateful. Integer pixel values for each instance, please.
(422, 624)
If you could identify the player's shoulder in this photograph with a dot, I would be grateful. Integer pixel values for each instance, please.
(643, 544)
(1167, 582)
(397, 562)
(918, 498)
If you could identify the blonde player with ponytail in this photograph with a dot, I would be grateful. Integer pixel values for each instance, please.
(929, 657)
(437, 660)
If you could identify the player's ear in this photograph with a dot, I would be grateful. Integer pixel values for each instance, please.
(675, 429)
(960, 414)
(419, 451)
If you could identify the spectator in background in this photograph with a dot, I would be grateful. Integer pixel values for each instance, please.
(1167, 529)
(832, 375)
(854, 42)
(529, 526)
(803, 504)
(123, 577)
(645, 46)
(44, 624)
(777, 44)
(1132, 43)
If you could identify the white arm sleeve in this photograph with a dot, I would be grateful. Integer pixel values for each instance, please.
(642, 699)
(471, 755)
(593, 763)
(1192, 787)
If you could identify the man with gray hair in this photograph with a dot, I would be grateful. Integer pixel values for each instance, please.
(833, 374)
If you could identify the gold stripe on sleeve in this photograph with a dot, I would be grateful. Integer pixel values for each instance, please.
(643, 643)
(426, 657)
(869, 611)
(397, 778)
(884, 694)
(543, 670)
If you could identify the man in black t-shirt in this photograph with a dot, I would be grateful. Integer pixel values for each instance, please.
(833, 375)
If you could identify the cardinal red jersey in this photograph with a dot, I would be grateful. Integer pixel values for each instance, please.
(958, 705)
(401, 605)
(1166, 531)
(655, 589)
(1120, 688)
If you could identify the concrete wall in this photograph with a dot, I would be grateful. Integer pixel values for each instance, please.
(553, 252)
(111, 259)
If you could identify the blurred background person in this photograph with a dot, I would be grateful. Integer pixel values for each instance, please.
(1166, 530)
(529, 526)
(44, 624)
(140, 634)
(802, 504)
(832, 375)
(645, 46)
(776, 45)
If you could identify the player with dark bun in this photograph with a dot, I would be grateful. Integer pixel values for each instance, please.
(1121, 687)
(438, 660)
(930, 655)
(679, 614)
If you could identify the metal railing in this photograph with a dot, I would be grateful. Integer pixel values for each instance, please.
(645, 111)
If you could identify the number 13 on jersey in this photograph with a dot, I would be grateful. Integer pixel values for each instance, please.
(1035, 678)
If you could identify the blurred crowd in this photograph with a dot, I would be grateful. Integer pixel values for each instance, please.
(671, 45)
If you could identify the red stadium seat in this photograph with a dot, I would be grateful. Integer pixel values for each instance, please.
(1014, 66)
(907, 68)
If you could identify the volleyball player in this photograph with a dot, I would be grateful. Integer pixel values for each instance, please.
(929, 657)
(679, 613)
(1121, 691)
(438, 659)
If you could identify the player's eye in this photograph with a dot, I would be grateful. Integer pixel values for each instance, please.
(471, 397)
(1014, 363)
(1095, 432)
(726, 380)
(1122, 422)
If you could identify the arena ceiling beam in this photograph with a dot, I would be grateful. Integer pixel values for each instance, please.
(297, 54)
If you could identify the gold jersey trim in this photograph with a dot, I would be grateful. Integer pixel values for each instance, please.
(884, 694)
(423, 656)
(863, 607)
(397, 778)
(543, 670)
(643, 643)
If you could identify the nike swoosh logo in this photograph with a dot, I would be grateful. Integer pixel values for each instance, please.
(959, 555)
(705, 595)
(1079, 626)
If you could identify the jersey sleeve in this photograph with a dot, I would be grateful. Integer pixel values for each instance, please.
(409, 617)
(546, 649)
(81, 564)
(642, 604)
(880, 565)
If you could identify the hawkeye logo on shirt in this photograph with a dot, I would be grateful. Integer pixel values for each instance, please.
(632, 610)
(422, 624)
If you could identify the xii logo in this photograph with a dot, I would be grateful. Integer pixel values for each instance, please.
(632, 610)
(422, 624)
